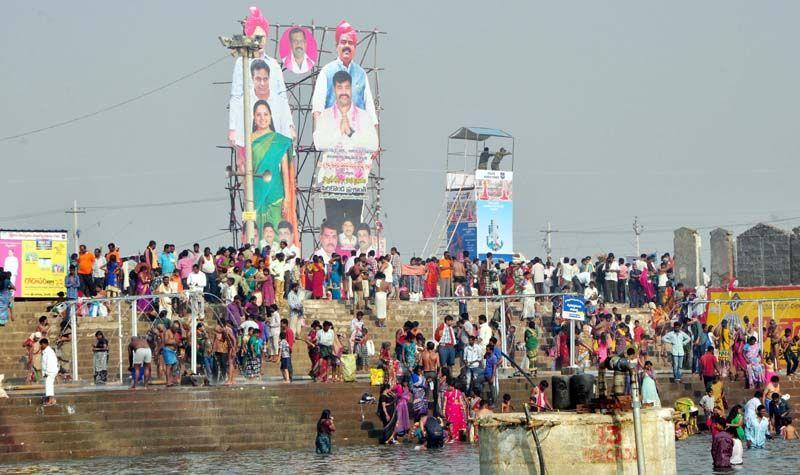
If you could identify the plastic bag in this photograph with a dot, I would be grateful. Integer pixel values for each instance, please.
(375, 377)
(370, 348)
(349, 368)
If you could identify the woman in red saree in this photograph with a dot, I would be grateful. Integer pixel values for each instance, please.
(317, 278)
(563, 346)
(431, 279)
(455, 410)
(509, 284)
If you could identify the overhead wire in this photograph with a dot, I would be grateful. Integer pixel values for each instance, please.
(115, 105)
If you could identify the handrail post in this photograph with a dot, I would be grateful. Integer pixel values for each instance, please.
(503, 330)
(119, 331)
(73, 323)
(134, 319)
(193, 306)
(434, 315)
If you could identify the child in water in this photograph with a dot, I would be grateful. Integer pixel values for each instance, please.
(788, 431)
(506, 405)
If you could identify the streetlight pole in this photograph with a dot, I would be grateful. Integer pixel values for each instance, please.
(75, 211)
(243, 46)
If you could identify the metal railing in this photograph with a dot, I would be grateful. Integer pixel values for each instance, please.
(503, 330)
(760, 308)
(72, 307)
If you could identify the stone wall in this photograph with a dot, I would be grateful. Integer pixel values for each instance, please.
(763, 257)
(794, 262)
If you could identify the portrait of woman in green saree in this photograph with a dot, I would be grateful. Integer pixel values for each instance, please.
(273, 178)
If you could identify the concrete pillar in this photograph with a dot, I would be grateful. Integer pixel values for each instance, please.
(687, 257)
(577, 444)
(763, 256)
(722, 257)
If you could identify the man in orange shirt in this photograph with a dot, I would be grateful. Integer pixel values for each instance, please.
(85, 266)
(446, 276)
(113, 251)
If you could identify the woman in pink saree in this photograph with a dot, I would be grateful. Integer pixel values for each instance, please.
(649, 291)
(403, 398)
(267, 285)
(739, 360)
(455, 412)
(431, 279)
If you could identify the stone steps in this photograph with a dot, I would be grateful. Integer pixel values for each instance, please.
(120, 422)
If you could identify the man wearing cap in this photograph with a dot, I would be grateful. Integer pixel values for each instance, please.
(255, 25)
(324, 97)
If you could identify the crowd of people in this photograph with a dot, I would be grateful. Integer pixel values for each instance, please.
(430, 384)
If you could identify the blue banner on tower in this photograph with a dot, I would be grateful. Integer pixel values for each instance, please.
(495, 210)
(462, 237)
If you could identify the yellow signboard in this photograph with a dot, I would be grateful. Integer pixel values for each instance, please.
(37, 261)
(248, 215)
(786, 313)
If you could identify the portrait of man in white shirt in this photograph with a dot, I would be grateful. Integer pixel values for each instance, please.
(298, 61)
(344, 124)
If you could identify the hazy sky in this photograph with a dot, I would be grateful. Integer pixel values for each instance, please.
(683, 113)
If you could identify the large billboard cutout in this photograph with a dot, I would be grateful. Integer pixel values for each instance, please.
(495, 211)
(298, 50)
(37, 261)
(345, 131)
(272, 136)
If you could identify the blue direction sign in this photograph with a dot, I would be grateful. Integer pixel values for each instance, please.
(574, 308)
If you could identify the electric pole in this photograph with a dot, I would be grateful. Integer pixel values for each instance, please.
(637, 230)
(75, 211)
(244, 47)
(548, 245)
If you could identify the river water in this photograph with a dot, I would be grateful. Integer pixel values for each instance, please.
(693, 458)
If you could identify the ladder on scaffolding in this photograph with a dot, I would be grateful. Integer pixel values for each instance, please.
(450, 210)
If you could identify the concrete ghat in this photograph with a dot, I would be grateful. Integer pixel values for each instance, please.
(577, 444)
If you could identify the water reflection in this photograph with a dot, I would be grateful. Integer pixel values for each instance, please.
(694, 457)
(779, 456)
(457, 458)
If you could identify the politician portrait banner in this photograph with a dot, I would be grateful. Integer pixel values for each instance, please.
(346, 132)
(297, 49)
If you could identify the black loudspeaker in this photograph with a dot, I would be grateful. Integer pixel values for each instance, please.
(582, 388)
(560, 387)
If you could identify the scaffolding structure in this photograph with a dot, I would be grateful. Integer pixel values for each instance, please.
(464, 147)
(299, 91)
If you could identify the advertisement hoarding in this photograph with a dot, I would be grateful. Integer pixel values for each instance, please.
(462, 237)
(786, 313)
(37, 261)
(495, 213)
